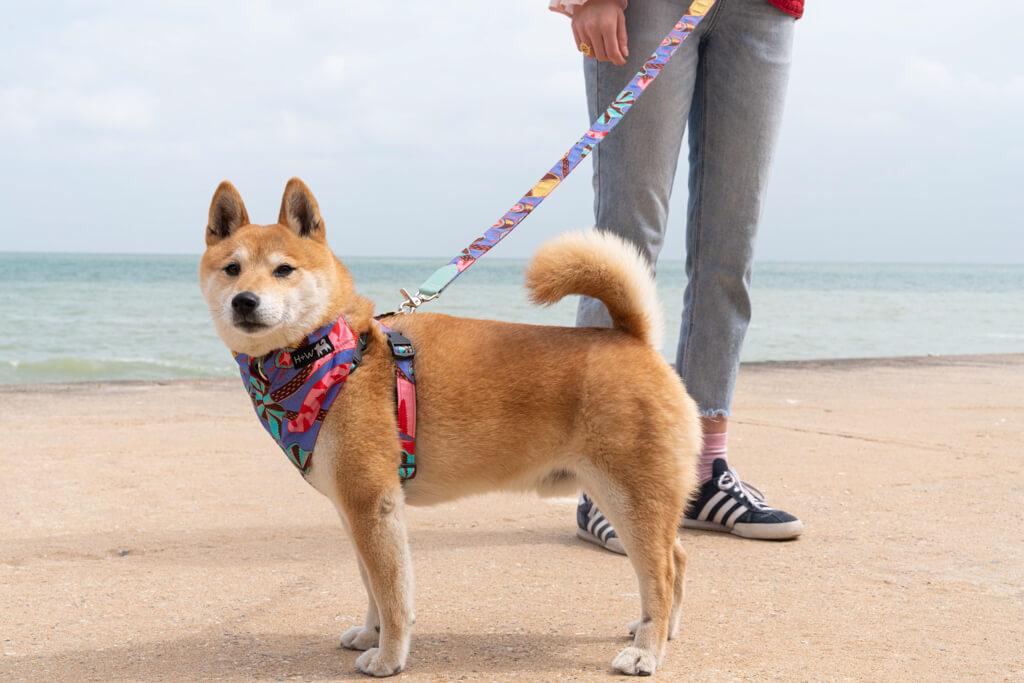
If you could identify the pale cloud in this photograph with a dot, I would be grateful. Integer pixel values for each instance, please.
(20, 112)
(47, 112)
(291, 128)
(114, 110)
(333, 68)
(266, 19)
(928, 75)
(964, 87)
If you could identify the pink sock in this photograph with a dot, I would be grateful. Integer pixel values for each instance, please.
(714, 447)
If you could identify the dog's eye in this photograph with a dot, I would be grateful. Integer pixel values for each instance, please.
(233, 269)
(283, 270)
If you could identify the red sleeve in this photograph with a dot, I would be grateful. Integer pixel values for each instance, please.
(794, 7)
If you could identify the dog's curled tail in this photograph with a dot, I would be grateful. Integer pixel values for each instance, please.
(603, 266)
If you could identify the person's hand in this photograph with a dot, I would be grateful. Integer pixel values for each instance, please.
(601, 24)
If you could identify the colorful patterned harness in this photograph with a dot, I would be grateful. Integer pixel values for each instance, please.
(293, 388)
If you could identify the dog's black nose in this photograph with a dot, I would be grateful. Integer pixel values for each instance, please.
(246, 302)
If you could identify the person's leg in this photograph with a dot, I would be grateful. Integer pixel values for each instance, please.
(734, 122)
(635, 166)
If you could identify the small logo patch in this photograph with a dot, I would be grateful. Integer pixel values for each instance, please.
(311, 353)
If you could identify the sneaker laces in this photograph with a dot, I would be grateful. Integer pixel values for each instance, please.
(729, 480)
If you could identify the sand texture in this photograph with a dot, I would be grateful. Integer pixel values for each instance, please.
(153, 531)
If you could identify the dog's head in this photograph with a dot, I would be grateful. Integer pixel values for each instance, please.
(268, 286)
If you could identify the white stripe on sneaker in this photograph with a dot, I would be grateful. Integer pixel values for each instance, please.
(731, 521)
(725, 510)
(706, 512)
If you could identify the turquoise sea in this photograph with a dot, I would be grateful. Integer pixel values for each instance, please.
(86, 317)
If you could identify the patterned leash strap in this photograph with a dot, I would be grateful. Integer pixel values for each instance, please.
(444, 276)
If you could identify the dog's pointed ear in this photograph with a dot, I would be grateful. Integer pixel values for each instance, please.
(300, 212)
(227, 213)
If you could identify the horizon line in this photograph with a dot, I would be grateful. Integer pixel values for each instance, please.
(527, 258)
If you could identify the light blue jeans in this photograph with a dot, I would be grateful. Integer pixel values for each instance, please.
(728, 80)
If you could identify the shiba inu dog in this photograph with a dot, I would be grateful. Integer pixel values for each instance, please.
(499, 405)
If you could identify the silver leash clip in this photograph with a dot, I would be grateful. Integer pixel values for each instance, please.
(413, 301)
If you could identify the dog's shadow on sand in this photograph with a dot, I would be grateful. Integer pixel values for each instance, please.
(268, 656)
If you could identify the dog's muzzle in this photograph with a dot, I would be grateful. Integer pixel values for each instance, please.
(244, 306)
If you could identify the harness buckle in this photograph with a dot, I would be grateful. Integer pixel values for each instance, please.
(414, 301)
(407, 469)
(401, 348)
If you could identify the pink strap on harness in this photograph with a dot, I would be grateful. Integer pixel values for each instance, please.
(405, 396)
(406, 391)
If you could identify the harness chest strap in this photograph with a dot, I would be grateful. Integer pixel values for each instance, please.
(405, 401)
(293, 388)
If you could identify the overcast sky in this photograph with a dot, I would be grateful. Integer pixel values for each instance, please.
(418, 124)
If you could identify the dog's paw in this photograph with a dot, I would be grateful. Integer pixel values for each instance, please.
(636, 662)
(360, 638)
(371, 662)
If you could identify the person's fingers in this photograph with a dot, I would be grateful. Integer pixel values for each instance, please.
(600, 49)
(589, 38)
(610, 39)
(603, 31)
(621, 34)
(602, 27)
(583, 39)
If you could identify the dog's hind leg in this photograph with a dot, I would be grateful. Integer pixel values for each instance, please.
(647, 528)
(655, 573)
(678, 589)
(678, 592)
(378, 530)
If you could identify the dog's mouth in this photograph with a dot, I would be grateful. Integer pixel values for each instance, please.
(250, 327)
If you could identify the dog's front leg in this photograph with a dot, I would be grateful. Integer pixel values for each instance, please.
(368, 635)
(379, 533)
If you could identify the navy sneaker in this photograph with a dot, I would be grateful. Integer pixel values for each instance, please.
(592, 526)
(724, 503)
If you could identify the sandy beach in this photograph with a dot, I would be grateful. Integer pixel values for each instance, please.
(153, 531)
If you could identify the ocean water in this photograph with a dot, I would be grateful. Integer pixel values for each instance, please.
(86, 317)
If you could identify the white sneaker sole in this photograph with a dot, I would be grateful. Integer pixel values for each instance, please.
(764, 532)
(613, 544)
